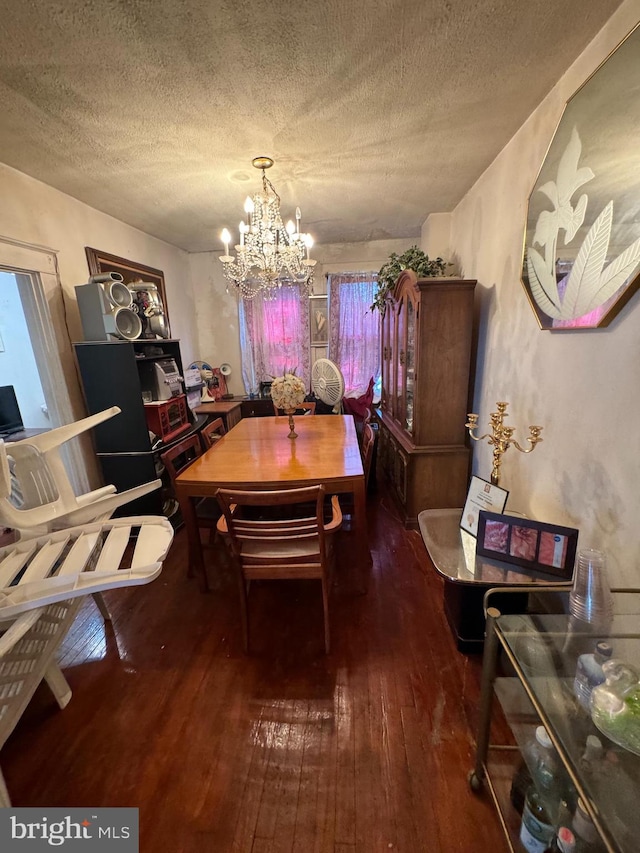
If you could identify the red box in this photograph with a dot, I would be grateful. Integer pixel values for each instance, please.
(167, 418)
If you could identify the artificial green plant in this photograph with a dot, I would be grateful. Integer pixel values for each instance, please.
(413, 259)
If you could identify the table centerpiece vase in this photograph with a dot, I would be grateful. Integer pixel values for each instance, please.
(287, 393)
(292, 432)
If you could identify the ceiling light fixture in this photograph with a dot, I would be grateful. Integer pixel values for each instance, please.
(269, 254)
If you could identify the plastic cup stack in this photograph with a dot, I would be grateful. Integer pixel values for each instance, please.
(590, 599)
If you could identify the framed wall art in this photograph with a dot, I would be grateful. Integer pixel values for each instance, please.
(131, 272)
(530, 544)
(319, 320)
(581, 261)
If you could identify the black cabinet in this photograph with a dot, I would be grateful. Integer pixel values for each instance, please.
(256, 407)
(115, 373)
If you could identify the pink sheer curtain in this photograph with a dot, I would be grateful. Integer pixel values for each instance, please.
(354, 342)
(274, 337)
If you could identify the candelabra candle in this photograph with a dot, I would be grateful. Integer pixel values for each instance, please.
(501, 437)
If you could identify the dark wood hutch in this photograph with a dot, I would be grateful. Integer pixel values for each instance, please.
(427, 332)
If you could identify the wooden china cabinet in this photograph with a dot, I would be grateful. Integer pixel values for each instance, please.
(426, 359)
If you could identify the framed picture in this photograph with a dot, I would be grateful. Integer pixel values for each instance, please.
(530, 544)
(319, 320)
(131, 272)
(481, 495)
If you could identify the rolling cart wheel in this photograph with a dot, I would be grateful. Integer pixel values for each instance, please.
(475, 783)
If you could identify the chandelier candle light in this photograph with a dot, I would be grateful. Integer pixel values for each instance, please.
(287, 393)
(501, 437)
(268, 254)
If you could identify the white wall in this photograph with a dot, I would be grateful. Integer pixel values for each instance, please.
(582, 387)
(216, 316)
(436, 239)
(217, 310)
(38, 214)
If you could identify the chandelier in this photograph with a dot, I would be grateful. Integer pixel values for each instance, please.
(269, 253)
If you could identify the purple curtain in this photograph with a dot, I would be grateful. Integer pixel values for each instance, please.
(354, 342)
(274, 337)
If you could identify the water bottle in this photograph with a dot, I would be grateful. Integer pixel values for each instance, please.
(589, 673)
(544, 765)
(536, 829)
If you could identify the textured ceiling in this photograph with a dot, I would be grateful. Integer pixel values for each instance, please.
(377, 113)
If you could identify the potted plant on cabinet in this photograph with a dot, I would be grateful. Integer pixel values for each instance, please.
(413, 259)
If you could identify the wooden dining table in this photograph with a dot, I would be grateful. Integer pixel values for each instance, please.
(257, 454)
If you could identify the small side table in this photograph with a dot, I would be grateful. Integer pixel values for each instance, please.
(229, 410)
(467, 577)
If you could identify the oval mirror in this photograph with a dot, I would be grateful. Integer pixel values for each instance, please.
(582, 245)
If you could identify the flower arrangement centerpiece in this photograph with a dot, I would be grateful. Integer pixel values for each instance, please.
(287, 393)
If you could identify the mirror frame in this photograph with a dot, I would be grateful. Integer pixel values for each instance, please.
(131, 272)
(581, 258)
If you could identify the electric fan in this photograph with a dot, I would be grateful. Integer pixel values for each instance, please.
(327, 383)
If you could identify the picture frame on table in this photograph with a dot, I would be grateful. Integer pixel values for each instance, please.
(534, 545)
(319, 320)
(132, 272)
(482, 495)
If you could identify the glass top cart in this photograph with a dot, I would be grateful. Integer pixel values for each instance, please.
(538, 652)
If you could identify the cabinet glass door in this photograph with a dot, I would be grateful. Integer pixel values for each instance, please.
(410, 365)
(401, 338)
(387, 345)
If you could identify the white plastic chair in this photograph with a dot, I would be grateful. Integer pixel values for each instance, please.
(36, 495)
(42, 582)
(35, 490)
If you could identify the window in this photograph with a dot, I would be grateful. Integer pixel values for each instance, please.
(34, 270)
(354, 342)
(274, 337)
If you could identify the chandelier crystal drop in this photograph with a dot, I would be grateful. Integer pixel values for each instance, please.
(269, 254)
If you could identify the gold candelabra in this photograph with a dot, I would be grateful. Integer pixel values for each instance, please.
(501, 437)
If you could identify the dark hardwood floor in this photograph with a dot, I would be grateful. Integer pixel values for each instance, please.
(364, 750)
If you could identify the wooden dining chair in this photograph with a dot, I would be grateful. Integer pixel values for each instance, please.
(368, 442)
(303, 409)
(212, 432)
(176, 460)
(286, 545)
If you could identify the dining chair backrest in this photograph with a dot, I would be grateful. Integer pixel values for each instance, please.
(303, 408)
(212, 432)
(179, 456)
(176, 460)
(368, 441)
(284, 544)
